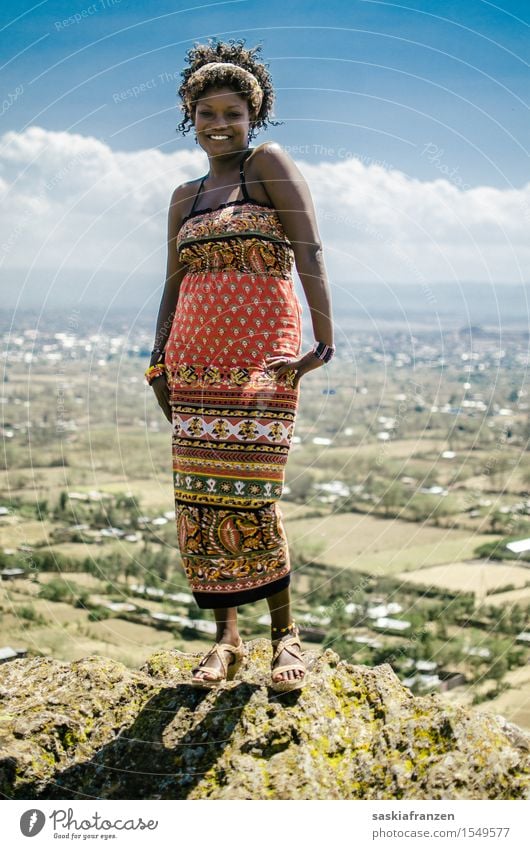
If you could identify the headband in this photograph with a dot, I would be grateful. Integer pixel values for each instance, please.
(256, 92)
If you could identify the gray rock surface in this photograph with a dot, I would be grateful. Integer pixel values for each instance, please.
(96, 728)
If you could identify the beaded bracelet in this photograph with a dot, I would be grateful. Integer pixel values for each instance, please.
(281, 630)
(154, 371)
(323, 352)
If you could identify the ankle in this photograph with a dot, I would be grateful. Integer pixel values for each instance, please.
(278, 633)
(227, 635)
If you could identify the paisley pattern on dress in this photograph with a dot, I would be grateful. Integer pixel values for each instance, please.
(233, 420)
(227, 551)
(247, 238)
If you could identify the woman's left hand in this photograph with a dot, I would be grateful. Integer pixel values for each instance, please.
(281, 365)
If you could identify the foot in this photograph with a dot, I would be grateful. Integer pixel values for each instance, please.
(285, 657)
(212, 666)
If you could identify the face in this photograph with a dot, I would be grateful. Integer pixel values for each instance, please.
(222, 112)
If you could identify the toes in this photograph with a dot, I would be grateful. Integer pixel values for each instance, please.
(290, 675)
(205, 673)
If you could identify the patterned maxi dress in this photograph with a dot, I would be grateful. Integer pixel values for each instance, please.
(232, 419)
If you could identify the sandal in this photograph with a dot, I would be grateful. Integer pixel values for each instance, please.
(216, 676)
(290, 643)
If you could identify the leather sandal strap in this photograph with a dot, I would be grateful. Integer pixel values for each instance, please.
(211, 671)
(236, 650)
(218, 649)
(212, 674)
(286, 666)
(284, 644)
(206, 657)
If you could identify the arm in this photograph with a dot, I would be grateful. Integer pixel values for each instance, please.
(166, 312)
(174, 274)
(290, 195)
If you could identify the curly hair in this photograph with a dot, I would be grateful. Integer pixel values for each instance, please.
(234, 52)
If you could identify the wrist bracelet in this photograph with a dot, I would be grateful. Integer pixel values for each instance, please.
(323, 352)
(154, 371)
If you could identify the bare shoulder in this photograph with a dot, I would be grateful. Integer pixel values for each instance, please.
(184, 192)
(283, 182)
(273, 161)
(278, 174)
(179, 203)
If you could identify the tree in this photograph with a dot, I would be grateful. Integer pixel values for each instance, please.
(498, 668)
(392, 498)
(41, 508)
(441, 629)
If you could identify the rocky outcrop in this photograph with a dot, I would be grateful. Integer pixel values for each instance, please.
(97, 728)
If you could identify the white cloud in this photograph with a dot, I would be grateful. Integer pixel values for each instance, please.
(402, 229)
(70, 202)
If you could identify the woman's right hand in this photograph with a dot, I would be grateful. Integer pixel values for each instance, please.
(161, 390)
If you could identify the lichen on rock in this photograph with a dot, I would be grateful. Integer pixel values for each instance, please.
(96, 728)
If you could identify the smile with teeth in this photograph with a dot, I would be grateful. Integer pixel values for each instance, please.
(218, 137)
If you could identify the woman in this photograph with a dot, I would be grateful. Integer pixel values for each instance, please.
(227, 360)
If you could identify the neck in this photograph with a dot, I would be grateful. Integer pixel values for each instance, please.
(222, 166)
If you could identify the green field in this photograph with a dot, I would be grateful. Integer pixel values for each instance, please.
(391, 526)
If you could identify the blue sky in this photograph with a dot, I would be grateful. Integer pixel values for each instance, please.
(409, 122)
(429, 88)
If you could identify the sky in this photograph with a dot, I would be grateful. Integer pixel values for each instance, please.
(409, 122)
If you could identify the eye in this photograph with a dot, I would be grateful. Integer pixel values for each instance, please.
(207, 114)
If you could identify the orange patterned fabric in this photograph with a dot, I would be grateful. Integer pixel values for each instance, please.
(233, 420)
(247, 237)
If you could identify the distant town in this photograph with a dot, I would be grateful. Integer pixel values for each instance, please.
(406, 504)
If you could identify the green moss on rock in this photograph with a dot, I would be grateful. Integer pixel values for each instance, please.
(96, 728)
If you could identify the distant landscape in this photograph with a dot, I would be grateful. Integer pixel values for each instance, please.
(410, 303)
(407, 498)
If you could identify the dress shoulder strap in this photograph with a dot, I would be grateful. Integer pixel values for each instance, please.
(242, 173)
(242, 181)
(197, 195)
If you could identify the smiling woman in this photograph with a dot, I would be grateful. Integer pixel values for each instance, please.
(227, 359)
(244, 75)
